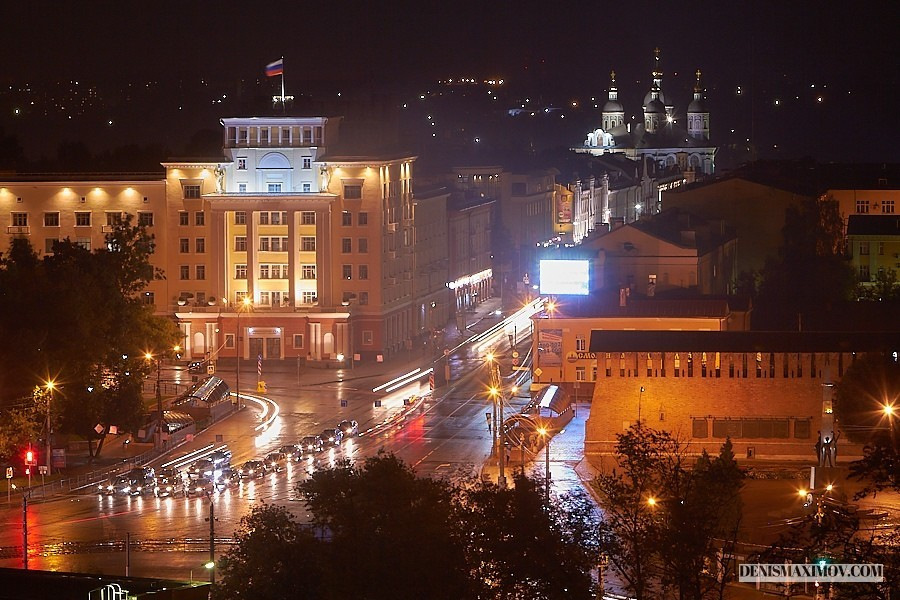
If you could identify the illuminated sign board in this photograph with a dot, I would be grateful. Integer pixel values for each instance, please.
(561, 277)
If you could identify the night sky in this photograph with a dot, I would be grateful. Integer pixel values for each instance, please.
(815, 78)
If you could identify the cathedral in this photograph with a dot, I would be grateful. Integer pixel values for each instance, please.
(660, 135)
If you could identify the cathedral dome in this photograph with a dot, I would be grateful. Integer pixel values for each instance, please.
(613, 106)
(697, 106)
(655, 106)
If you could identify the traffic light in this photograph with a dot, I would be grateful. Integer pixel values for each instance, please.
(29, 457)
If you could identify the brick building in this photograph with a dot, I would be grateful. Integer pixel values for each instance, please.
(771, 392)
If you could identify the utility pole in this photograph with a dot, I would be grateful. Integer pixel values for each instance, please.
(212, 541)
(499, 430)
(159, 410)
(25, 531)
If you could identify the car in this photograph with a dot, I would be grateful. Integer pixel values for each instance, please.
(348, 427)
(253, 469)
(202, 486)
(291, 451)
(332, 437)
(197, 366)
(127, 485)
(311, 444)
(220, 458)
(203, 467)
(169, 482)
(276, 461)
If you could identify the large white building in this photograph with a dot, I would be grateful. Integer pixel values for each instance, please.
(657, 132)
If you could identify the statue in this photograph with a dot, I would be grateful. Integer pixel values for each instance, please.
(220, 179)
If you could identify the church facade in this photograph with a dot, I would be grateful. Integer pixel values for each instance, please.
(659, 133)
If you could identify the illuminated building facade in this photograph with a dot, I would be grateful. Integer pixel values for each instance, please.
(322, 246)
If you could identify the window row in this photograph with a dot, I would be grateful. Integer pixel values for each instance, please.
(740, 365)
(863, 206)
(184, 218)
(185, 272)
(307, 217)
(82, 219)
(362, 218)
(184, 245)
(777, 428)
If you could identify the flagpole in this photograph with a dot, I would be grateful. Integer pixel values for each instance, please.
(282, 86)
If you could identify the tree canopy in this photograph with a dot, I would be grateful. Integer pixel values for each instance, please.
(379, 531)
(75, 317)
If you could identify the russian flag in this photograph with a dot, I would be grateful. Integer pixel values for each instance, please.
(275, 68)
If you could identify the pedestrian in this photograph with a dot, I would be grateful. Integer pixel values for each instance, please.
(819, 447)
(827, 451)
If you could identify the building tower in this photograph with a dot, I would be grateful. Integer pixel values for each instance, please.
(654, 111)
(656, 75)
(698, 113)
(613, 111)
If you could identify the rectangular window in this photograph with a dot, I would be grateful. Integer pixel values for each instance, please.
(229, 340)
(862, 206)
(240, 243)
(185, 272)
(307, 218)
(362, 218)
(51, 219)
(580, 343)
(264, 136)
(240, 217)
(352, 192)
(362, 245)
(347, 271)
(199, 218)
(887, 207)
(184, 218)
(363, 298)
(48, 245)
(273, 188)
(864, 273)
(84, 242)
(242, 188)
(242, 164)
(298, 340)
(263, 218)
(145, 219)
(200, 245)
(184, 245)
(263, 271)
(148, 298)
(308, 298)
(264, 299)
(363, 271)
(308, 244)
(20, 219)
(863, 248)
(307, 186)
(580, 374)
(368, 338)
(307, 162)
(113, 218)
(191, 190)
(346, 218)
(82, 219)
(264, 244)
(308, 272)
(239, 297)
(346, 245)
(200, 271)
(240, 271)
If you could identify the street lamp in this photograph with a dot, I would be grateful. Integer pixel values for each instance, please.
(51, 385)
(159, 410)
(889, 411)
(244, 304)
(545, 433)
(640, 399)
(499, 435)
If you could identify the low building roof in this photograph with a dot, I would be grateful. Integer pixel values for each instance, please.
(744, 341)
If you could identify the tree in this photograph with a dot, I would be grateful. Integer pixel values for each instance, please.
(663, 515)
(869, 384)
(274, 558)
(884, 288)
(388, 528)
(78, 319)
(879, 468)
(518, 546)
(18, 426)
(811, 277)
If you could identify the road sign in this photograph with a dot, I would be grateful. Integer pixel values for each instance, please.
(9, 472)
(538, 372)
(515, 354)
(211, 369)
(43, 469)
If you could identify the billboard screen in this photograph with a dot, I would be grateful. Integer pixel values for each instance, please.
(561, 277)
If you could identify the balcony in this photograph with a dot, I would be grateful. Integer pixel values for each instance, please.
(391, 227)
(18, 229)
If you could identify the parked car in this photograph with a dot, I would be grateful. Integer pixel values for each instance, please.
(349, 427)
(311, 444)
(332, 437)
(276, 461)
(253, 469)
(291, 451)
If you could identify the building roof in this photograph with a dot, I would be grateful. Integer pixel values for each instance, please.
(743, 341)
(605, 304)
(873, 225)
(9, 176)
(681, 228)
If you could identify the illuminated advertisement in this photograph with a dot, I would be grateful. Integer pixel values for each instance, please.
(550, 347)
(561, 277)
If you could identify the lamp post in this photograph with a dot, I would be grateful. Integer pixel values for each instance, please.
(51, 385)
(159, 410)
(640, 399)
(545, 433)
(211, 564)
(496, 392)
(889, 411)
(245, 302)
